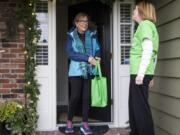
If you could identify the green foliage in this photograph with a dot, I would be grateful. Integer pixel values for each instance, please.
(13, 114)
(17, 124)
(7, 110)
(27, 118)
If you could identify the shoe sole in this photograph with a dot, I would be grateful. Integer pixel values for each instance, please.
(69, 132)
(82, 130)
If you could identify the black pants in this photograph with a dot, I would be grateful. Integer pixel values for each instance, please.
(140, 118)
(80, 85)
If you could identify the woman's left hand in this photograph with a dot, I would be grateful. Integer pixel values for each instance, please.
(92, 61)
(151, 83)
(139, 80)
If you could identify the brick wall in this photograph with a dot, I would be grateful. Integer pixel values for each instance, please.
(12, 59)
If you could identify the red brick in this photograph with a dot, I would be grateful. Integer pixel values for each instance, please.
(21, 35)
(9, 85)
(19, 80)
(17, 70)
(4, 81)
(9, 95)
(21, 85)
(22, 56)
(17, 91)
(17, 50)
(20, 45)
(9, 66)
(5, 50)
(22, 66)
(9, 45)
(9, 55)
(4, 60)
(22, 40)
(4, 91)
(17, 60)
(21, 76)
(4, 70)
(9, 76)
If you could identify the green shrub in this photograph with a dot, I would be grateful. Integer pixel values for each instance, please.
(7, 110)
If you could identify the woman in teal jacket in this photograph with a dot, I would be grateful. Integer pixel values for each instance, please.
(83, 50)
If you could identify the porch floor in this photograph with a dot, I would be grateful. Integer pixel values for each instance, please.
(112, 131)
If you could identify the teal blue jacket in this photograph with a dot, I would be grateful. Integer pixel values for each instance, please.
(75, 57)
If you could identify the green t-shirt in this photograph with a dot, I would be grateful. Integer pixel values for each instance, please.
(145, 30)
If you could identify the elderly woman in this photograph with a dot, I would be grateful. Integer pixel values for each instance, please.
(83, 50)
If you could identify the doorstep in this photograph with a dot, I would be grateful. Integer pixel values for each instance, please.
(112, 131)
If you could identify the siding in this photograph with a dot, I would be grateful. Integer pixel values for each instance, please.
(165, 95)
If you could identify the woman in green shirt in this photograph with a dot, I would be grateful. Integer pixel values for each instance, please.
(143, 56)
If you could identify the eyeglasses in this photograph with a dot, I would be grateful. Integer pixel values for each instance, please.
(83, 21)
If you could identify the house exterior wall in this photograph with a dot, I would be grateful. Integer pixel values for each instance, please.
(165, 95)
(12, 60)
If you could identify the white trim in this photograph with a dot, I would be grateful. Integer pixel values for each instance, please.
(47, 77)
(52, 50)
(115, 65)
(120, 72)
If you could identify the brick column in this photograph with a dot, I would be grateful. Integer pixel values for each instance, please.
(12, 59)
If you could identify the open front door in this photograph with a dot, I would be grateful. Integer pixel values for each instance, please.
(100, 16)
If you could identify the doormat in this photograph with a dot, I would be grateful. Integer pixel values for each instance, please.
(97, 130)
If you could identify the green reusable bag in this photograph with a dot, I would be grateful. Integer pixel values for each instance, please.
(99, 89)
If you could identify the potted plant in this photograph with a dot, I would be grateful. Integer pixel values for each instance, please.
(11, 119)
(7, 111)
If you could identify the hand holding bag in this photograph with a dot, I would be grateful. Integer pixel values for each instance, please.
(99, 89)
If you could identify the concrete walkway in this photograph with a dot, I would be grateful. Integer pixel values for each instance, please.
(116, 131)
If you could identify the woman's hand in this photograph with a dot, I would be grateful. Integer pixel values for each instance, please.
(139, 80)
(92, 60)
(151, 83)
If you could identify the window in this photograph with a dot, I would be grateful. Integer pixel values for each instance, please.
(42, 48)
(125, 31)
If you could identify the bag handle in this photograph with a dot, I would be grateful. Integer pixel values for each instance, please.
(98, 67)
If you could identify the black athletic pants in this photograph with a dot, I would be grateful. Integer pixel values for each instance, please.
(140, 118)
(80, 85)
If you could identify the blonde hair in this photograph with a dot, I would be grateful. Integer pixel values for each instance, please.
(147, 11)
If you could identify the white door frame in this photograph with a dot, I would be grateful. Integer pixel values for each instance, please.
(47, 75)
(52, 47)
(115, 72)
(117, 115)
(120, 73)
